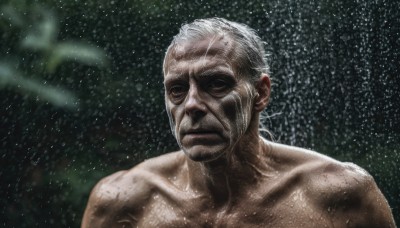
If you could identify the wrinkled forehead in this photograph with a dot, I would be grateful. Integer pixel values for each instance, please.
(217, 45)
(213, 45)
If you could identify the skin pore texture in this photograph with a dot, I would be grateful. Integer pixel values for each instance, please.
(225, 174)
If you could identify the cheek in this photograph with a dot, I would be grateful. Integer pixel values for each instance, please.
(229, 107)
(171, 112)
(168, 108)
(237, 111)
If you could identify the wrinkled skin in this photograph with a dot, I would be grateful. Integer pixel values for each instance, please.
(208, 103)
(226, 175)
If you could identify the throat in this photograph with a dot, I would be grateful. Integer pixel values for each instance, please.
(233, 175)
(224, 180)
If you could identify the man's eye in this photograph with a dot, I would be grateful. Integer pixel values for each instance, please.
(177, 91)
(218, 85)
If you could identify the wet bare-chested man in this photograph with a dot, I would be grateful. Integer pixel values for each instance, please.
(226, 175)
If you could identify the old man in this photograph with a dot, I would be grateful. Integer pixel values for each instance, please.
(226, 175)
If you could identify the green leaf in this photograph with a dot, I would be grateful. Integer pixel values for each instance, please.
(75, 51)
(55, 96)
(43, 34)
(10, 13)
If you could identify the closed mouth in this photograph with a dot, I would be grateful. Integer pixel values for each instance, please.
(199, 131)
(200, 136)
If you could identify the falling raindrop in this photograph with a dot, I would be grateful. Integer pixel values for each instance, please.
(82, 91)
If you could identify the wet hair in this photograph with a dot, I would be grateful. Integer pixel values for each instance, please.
(250, 56)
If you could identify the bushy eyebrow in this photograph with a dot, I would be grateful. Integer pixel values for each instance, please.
(171, 78)
(219, 72)
(207, 73)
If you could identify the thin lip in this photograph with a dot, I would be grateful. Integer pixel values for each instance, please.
(200, 131)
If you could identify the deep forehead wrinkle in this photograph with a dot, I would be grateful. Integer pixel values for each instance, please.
(206, 67)
(194, 57)
(207, 46)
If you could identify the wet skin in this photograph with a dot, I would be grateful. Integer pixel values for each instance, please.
(226, 175)
(208, 103)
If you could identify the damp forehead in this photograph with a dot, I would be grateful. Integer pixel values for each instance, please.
(212, 52)
(213, 44)
(198, 69)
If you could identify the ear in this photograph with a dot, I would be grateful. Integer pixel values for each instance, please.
(263, 88)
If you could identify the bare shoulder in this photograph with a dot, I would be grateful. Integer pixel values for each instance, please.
(348, 194)
(345, 193)
(124, 195)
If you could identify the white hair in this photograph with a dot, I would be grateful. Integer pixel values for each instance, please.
(251, 58)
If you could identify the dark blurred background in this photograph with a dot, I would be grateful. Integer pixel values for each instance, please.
(82, 95)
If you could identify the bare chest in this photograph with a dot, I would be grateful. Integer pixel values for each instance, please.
(292, 211)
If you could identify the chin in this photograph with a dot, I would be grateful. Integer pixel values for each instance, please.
(203, 153)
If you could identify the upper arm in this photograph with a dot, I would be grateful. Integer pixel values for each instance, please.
(375, 211)
(116, 201)
(352, 198)
(95, 209)
(371, 208)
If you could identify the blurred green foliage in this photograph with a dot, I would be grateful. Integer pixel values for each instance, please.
(82, 94)
(36, 34)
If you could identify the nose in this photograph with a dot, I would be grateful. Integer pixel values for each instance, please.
(194, 106)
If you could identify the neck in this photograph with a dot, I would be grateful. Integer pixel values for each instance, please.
(232, 173)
